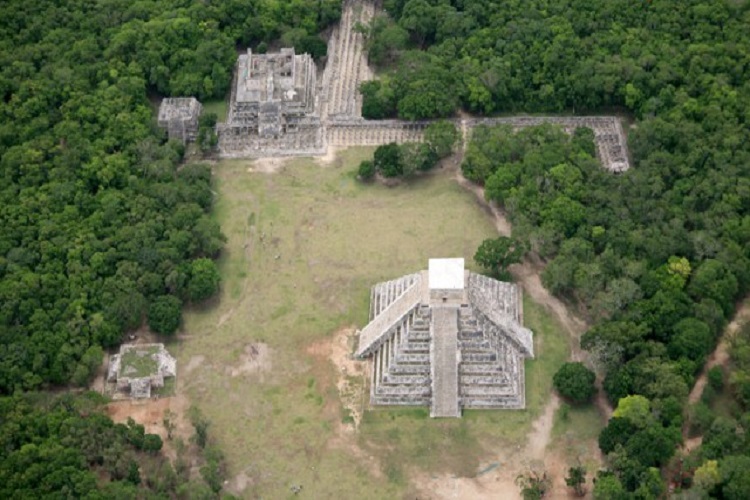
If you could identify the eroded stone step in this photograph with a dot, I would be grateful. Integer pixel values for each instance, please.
(408, 380)
(410, 369)
(488, 391)
(478, 357)
(410, 359)
(480, 380)
(402, 390)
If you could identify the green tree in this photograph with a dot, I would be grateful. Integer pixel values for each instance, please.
(204, 280)
(497, 255)
(366, 170)
(441, 136)
(607, 486)
(713, 280)
(707, 476)
(165, 314)
(200, 424)
(387, 160)
(207, 139)
(616, 432)
(575, 382)
(214, 470)
(378, 100)
(635, 409)
(415, 156)
(152, 443)
(735, 482)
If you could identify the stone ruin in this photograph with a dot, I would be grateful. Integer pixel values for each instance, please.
(272, 108)
(139, 368)
(278, 107)
(179, 116)
(446, 338)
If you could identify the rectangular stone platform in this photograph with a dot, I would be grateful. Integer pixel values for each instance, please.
(445, 362)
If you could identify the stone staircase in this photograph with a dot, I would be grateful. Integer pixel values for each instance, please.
(401, 368)
(490, 373)
(391, 305)
(384, 294)
(501, 303)
(444, 360)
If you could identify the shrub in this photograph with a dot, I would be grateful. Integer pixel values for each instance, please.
(366, 170)
(716, 378)
(165, 314)
(575, 382)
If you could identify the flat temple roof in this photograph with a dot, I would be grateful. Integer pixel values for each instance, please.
(446, 274)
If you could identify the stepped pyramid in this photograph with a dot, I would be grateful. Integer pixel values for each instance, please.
(446, 338)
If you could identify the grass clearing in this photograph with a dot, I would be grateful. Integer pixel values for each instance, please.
(575, 429)
(304, 246)
(217, 106)
(138, 362)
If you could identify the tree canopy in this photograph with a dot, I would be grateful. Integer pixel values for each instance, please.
(101, 227)
(575, 382)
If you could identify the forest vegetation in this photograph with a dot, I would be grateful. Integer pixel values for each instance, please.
(102, 228)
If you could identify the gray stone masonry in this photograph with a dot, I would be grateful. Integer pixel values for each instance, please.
(444, 362)
(448, 351)
(179, 115)
(278, 107)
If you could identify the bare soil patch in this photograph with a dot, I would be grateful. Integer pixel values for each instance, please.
(150, 414)
(328, 159)
(194, 363)
(349, 372)
(498, 479)
(268, 165)
(255, 359)
(349, 381)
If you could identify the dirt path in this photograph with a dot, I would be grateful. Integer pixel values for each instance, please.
(501, 482)
(541, 430)
(528, 275)
(720, 357)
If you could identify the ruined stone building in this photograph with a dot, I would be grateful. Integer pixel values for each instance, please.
(139, 368)
(273, 106)
(446, 338)
(179, 116)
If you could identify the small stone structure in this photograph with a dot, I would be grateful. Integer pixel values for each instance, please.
(179, 115)
(446, 338)
(272, 107)
(138, 368)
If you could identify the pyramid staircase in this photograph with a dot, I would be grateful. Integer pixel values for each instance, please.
(401, 368)
(491, 371)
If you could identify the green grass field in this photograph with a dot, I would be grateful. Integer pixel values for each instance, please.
(218, 106)
(304, 246)
(139, 362)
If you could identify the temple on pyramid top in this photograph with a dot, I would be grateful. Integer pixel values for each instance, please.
(446, 338)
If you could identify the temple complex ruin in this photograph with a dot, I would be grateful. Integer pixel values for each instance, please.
(446, 338)
(179, 116)
(273, 107)
(139, 368)
(279, 107)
